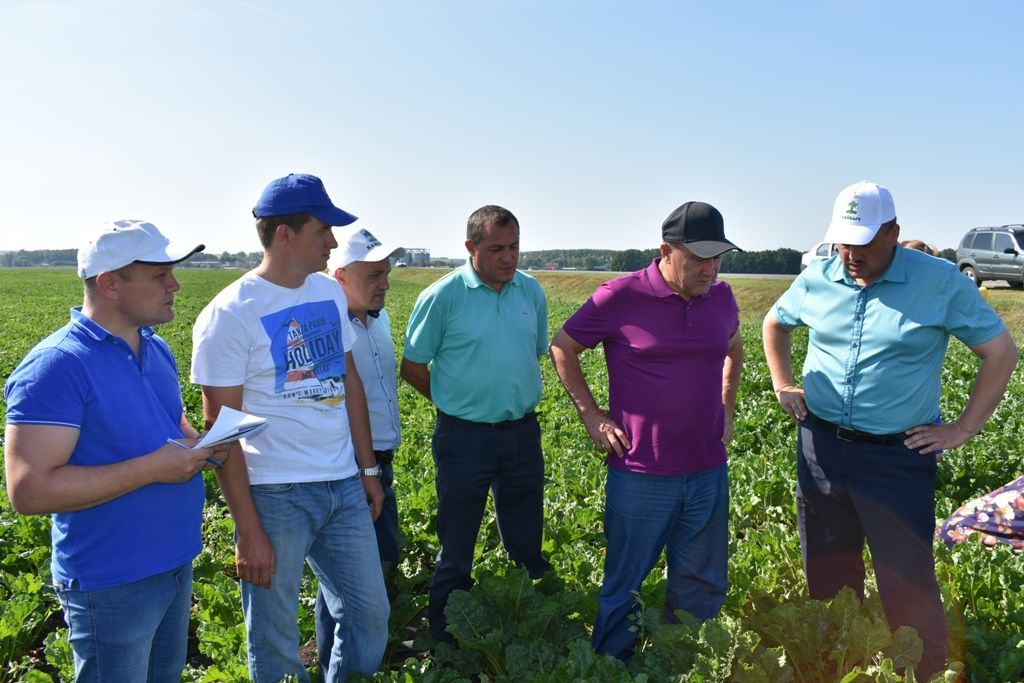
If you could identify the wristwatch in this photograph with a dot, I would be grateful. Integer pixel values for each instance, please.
(370, 471)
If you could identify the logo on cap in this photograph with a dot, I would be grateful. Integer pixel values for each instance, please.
(851, 211)
(371, 241)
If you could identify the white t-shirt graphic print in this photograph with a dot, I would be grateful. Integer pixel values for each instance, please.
(286, 347)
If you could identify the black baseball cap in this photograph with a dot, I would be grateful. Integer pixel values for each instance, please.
(700, 227)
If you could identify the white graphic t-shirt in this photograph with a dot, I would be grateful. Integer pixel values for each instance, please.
(286, 347)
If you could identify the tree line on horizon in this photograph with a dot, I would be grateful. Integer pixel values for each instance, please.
(768, 262)
(69, 257)
(782, 261)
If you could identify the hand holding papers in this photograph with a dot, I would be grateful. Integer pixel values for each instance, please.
(231, 425)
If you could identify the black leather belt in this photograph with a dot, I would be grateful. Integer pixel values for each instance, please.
(856, 436)
(507, 424)
(384, 457)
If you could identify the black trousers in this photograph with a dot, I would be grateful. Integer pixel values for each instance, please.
(851, 492)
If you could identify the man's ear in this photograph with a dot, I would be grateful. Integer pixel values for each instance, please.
(283, 233)
(339, 275)
(107, 284)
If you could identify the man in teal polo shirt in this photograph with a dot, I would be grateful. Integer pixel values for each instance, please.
(879, 318)
(481, 329)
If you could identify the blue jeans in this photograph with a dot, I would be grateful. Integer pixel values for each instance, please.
(386, 529)
(851, 492)
(473, 459)
(688, 517)
(136, 632)
(327, 524)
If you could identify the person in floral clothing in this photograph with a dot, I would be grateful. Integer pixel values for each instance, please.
(996, 517)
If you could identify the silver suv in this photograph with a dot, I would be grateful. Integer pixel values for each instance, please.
(993, 254)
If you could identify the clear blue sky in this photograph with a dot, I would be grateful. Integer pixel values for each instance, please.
(590, 120)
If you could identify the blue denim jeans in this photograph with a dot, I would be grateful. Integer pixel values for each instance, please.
(133, 633)
(386, 529)
(688, 517)
(473, 459)
(327, 524)
(885, 494)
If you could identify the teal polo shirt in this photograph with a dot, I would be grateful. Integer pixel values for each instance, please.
(482, 345)
(875, 353)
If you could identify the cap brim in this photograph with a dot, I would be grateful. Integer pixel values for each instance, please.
(333, 216)
(382, 252)
(378, 253)
(710, 248)
(172, 253)
(846, 233)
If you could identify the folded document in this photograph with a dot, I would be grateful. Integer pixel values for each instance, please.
(231, 425)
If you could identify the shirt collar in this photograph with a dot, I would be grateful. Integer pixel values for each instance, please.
(97, 331)
(472, 280)
(656, 280)
(896, 272)
(659, 287)
(372, 314)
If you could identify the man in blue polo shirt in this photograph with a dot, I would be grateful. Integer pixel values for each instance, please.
(481, 329)
(89, 413)
(879, 318)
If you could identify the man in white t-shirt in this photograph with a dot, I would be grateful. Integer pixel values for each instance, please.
(277, 343)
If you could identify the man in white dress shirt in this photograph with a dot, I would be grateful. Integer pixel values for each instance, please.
(361, 265)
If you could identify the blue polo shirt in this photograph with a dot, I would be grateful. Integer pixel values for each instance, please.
(123, 406)
(875, 353)
(482, 345)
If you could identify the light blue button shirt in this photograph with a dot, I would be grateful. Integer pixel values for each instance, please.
(875, 353)
(374, 354)
(482, 345)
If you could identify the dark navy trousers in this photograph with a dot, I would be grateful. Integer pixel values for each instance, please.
(851, 492)
(472, 460)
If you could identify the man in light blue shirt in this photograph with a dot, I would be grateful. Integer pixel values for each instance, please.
(481, 329)
(879, 318)
(361, 265)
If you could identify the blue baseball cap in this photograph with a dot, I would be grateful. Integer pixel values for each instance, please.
(300, 193)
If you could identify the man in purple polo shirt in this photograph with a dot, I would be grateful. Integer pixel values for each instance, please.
(674, 353)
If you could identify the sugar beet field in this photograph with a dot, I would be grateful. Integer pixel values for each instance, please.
(510, 630)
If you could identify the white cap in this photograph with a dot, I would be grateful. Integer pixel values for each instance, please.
(359, 244)
(122, 242)
(859, 211)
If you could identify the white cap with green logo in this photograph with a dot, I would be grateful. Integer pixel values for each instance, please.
(359, 244)
(859, 211)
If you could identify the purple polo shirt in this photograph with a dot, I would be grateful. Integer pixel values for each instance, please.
(665, 357)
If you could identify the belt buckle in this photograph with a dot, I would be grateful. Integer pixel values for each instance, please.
(845, 434)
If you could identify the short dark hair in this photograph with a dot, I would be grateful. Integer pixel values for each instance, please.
(266, 226)
(488, 215)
